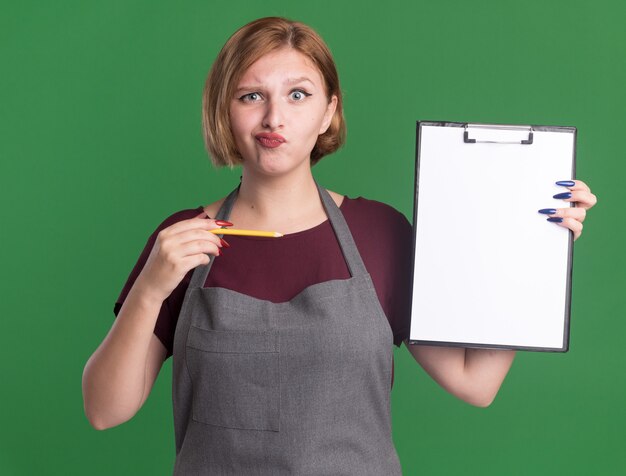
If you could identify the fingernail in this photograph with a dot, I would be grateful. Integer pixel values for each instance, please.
(219, 252)
(565, 183)
(223, 223)
(555, 220)
(547, 211)
(563, 195)
(224, 243)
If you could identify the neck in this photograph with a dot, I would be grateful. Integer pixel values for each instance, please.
(285, 204)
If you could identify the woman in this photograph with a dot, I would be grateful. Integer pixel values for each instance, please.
(282, 347)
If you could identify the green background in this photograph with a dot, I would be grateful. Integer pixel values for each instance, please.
(100, 141)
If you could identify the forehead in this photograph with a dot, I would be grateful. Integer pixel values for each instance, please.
(284, 64)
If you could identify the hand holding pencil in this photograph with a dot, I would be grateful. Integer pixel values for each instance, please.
(177, 249)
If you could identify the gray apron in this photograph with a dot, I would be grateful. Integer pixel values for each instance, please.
(300, 387)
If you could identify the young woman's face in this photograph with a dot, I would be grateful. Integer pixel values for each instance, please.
(278, 110)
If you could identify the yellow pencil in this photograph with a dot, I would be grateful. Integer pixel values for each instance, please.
(233, 231)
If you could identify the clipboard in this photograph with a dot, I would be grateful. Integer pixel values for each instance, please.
(489, 271)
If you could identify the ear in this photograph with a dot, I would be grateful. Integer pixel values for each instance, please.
(328, 115)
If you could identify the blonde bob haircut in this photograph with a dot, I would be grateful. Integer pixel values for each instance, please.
(246, 46)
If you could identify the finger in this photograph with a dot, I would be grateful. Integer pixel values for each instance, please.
(574, 185)
(575, 213)
(200, 247)
(194, 261)
(192, 223)
(203, 215)
(580, 185)
(573, 225)
(187, 242)
(195, 234)
(581, 198)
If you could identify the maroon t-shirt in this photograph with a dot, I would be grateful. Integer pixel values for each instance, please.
(278, 269)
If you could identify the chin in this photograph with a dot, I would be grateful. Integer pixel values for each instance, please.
(275, 167)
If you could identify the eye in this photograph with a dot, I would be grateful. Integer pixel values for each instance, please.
(298, 95)
(250, 97)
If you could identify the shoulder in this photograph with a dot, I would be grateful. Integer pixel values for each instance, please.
(373, 214)
(376, 224)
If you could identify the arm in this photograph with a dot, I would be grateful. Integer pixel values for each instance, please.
(119, 376)
(475, 375)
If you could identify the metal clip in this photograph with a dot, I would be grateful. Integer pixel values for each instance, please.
(497, 134)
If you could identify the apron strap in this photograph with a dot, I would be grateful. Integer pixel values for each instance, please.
(344, 237)
(337, 221)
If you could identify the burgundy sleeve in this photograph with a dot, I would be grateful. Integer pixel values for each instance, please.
(168, 315)
(384, 238)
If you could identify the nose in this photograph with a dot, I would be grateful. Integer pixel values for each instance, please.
(273, 118)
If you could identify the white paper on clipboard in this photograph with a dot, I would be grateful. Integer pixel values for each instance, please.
(489, 271)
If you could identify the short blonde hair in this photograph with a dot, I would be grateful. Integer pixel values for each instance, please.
(242, 49)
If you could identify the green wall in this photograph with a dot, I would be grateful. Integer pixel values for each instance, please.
(100, 140)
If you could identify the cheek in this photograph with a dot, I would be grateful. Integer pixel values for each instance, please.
(234, 121)
(315, 121)
(238, 126)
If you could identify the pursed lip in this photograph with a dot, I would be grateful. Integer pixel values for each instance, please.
(270, 139)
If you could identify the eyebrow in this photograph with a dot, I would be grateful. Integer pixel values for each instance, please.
(254, 87)
(301, 79)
